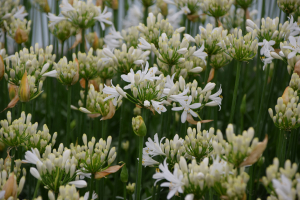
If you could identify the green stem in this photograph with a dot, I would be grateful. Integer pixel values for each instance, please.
(62, 49)
(237, 80)
(82, 45)
(153, 192)
(48, 114)
(139, 174)
(104, 129)
(244, 24)
(124, 191)
(92, 186)
(5, 41)
(36, 189)
(24, 107)
(115, 11)
(262, 101)
(19, 47)
(146, 10)
(281, 147)
(42, 29)
(69, 115)
(101, 189)
(217, 21)
(207, 69)
(188, 26)
(183, 130)
(292, 146)
(13, 155)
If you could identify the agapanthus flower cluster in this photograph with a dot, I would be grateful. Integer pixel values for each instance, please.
(127, 58)
(288, 6)
(216, 8)
(220, 60)
(287, 110)
(131, 36)
(18, 132)
(81, 14)
(63, 30)
(291, 52)
(55, 168)
(173, 55)
(156, 151)
(271, 29)
(155, 27)
(283, 182)
(239, 150)
(18, 29)
(239, 47)
(10, 187)
(94, 156)
(5, 165)
(66, 72)
(210, 38)
(98, 105)
(146, 89)
(69, 192)
(11, 9)
(35, 62)
(95, 41)
(190, 98)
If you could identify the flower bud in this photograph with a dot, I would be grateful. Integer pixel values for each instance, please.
(24, 89)
(138, 126)
(124, 174)
(21, 36)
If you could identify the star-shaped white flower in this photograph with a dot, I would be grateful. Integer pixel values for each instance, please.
(103, 17)
(266, 47)
(53, 19)
(187, 108)
(200, 54)
(295, 42)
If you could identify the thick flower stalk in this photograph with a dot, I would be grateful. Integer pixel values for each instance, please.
(55, 168)
(283, 182)
(127, 58)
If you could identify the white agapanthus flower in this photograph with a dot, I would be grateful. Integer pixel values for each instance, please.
(153, 148)
(103, 16)
(187, 108)
(295, 48)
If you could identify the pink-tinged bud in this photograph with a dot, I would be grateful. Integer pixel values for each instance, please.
(24, 89)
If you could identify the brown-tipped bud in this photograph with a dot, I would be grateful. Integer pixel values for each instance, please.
(2, 68)
(46, 7)
(285, 95)
(24, 89)
(76, 77)
(139, 126)
(21, 36)
(112, 111)
(99, 3)
(12, 91)
(115, 4)
(193, 17)
(211, 75)
(96, 41)
(11, 187)
(164, 9)
(296, 68)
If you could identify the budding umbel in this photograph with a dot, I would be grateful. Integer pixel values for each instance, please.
(138, 126)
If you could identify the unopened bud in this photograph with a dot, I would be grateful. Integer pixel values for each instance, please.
(138, 125)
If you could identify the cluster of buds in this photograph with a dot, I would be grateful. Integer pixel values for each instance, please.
(198, 144)
(97, 105)
(35, 62)
(6, 166)
(171, 150)
(107, 67)
(156, 26)
(55, 168)
(233, 20)
(239, 150)
(131, 36)
(287, 109)
(282, 183)
(220, 60)
(191, 98)
(291, 54)
(43, 4)
(18, 29)
(271, 29)
(94, 40)
(80, 14)
(66, 73)
(239, 47)
(173, 55)
(66, 192)
(10, 187)
(8, 9)
(63, 30)
(18, 132)
(130, 188)
(288, 6)
(126, 59)
(210, 38)
(94, 157)
(216, 8)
